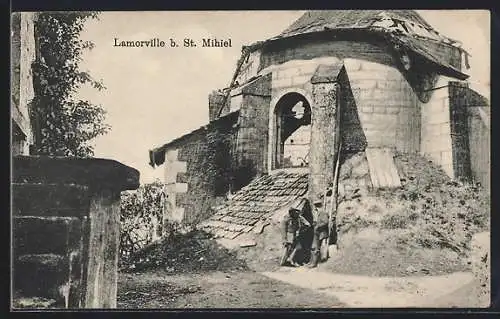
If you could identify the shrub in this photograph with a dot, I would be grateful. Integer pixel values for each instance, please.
(141, 218)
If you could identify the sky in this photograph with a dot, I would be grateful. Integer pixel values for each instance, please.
(154, 95)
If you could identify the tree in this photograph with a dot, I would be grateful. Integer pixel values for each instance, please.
(63, 125)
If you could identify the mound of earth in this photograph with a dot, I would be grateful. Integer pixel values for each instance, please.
(193, 252)
(426, 225)
(377, 252)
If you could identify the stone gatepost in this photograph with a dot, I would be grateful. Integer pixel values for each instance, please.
(324, 128)
(66, 229)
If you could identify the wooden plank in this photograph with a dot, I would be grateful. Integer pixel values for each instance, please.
(371, 166)
(396, 180)
(383, 171)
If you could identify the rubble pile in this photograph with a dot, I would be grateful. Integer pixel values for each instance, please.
(192, 252)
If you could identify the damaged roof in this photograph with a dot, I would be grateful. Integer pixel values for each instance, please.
(404, 28)
(253, 205)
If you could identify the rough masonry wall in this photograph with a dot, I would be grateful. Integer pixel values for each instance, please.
(480, 144)
(252, 137)
(215, 101)
(470, 130)
(459, 131)
(436, 143)
(198, 172)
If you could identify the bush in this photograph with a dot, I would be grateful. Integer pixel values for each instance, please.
(141, 218)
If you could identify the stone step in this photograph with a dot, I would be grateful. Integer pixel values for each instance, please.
(46, 235)
(42, 275)
(49, 199)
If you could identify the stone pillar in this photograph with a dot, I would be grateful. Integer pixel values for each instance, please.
(66, 217)
(22, 92)
(323, 146)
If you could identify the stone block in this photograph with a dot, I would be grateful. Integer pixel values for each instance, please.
(352, 65)
(49, 200)
(308, 68)
(181, 187)
(379, 109)
(281, 83)
(446, 157)
(437, 117)
(45, 235)
(41, 275)
(433, 129)
(437, 143)
(393, 109)
(388, 74)
(171, 155)
(300, 79)
(93, 172)
(391, 85)
(288, 72)
(367, 109)
(362, 84)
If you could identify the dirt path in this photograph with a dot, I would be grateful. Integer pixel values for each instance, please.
(216, 290)
(292, 288)
(375, 292)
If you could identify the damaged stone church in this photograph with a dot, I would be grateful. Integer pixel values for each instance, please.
(333, 84)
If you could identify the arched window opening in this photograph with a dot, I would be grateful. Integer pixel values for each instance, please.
(293, 128)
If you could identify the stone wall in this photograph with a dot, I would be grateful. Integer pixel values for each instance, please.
(470, 130)
(307, 49)
(66, 220)
(480, 144)
(388, 108)
(198, 171)
(378, 97)
(215, 101)
(252, 138)
(436, 143)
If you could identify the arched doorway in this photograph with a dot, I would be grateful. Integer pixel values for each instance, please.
(292, 132)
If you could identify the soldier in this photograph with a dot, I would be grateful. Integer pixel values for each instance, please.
(320, 226)
(293, 226)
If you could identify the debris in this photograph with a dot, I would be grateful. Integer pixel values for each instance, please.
(249, 243)
(184, 253)
(425, 271)
(411, 269)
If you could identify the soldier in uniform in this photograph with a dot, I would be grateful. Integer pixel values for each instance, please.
(293, 227)
(320, 227)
